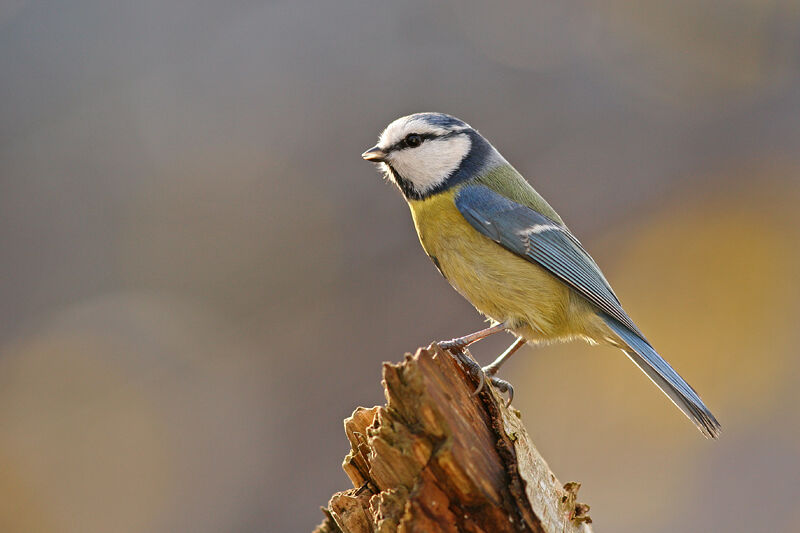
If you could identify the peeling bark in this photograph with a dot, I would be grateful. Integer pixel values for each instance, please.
(436, 458)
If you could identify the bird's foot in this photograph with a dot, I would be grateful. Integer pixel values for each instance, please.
(500, 384)
(464, 357)
(504, 387)
(462, 354)
(454, 345)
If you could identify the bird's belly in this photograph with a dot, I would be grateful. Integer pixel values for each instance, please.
(500, 284)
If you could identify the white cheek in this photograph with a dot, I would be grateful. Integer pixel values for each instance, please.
(431, 163)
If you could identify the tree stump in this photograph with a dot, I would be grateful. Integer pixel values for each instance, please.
(437, 458)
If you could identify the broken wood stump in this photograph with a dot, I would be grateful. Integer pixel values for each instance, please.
(437, 458)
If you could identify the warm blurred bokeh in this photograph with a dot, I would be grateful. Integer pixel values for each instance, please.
(200, 277)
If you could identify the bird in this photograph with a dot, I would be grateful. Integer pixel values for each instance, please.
(505, 249)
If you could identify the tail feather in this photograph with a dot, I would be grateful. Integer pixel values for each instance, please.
(663, 375)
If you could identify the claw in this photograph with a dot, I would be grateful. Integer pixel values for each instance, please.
(503, 386)
(481, 383)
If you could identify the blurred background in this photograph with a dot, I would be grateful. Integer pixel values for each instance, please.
(200, 277)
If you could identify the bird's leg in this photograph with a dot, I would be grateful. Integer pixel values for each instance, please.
(466, 340)
(492, 369)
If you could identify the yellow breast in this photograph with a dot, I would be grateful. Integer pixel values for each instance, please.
(500, 284)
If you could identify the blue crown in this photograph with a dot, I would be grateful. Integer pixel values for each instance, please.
(442, 120)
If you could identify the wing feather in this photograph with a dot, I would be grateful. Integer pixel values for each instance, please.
(541, 240)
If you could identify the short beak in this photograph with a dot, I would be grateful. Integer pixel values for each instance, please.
(375, 155)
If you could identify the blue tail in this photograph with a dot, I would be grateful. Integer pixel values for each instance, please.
(659, 371)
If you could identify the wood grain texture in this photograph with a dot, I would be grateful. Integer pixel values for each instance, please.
(435, 458)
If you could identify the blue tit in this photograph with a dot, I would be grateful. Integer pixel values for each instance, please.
(503, 248)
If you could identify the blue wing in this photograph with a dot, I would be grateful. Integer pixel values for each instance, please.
(539, 239)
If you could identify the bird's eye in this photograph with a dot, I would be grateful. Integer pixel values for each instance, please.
(413, 140)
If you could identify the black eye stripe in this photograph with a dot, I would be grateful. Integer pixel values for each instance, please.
(401, 144)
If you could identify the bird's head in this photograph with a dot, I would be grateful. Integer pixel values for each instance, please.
(425, 153)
